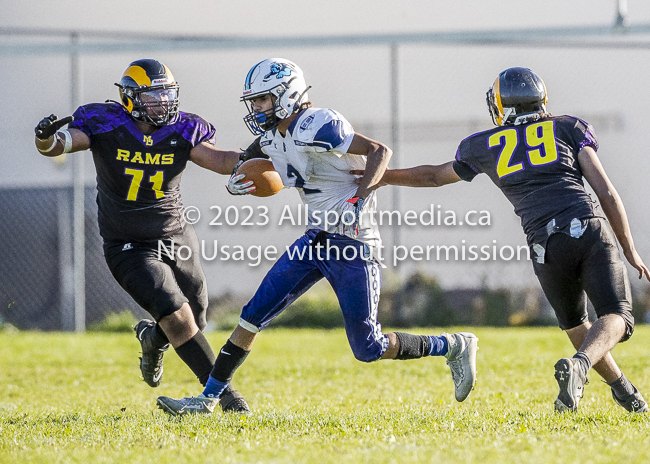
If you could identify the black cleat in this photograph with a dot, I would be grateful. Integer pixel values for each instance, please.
(571, 385)
(632, 403)
(233, 401)
(151, 362)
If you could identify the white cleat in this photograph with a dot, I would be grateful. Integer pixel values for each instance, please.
(461, 359)
(192, 405)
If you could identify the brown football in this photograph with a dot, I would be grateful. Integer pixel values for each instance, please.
(266, 179)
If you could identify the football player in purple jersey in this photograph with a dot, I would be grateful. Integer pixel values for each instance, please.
(539, 162)
(140, 147)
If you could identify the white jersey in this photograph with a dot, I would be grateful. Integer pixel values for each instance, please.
(313, 158)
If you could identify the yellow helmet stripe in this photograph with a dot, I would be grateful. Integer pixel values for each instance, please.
(138, 74)
(497, 96)
(128, 105)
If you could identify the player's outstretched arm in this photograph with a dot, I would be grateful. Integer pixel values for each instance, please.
(612, 206)
(209, 157)
(378, 155)
(51, 141)
(419, 176)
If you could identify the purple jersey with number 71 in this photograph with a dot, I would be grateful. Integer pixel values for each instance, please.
(138, 175)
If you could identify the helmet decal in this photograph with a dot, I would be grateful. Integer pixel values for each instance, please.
(279, 70)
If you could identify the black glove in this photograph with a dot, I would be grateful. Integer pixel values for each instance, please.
(254, 150)
(49, 125)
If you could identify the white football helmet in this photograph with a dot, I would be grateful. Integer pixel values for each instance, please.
(284, 81)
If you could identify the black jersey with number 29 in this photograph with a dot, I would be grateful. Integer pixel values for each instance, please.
(536, 166)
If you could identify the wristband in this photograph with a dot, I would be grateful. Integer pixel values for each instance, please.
(51, 146)
(66, 139)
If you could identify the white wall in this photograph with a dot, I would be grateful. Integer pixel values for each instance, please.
(439, 84)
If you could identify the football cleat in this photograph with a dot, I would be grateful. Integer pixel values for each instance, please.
(461, 359)
(151, 362)
(233, 401)
(571, 383)
(185, 406)
(632, 403)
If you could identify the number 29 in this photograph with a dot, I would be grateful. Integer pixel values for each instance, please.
(540, 138)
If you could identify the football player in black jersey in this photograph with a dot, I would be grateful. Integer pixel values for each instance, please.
(539, 162)
(140, 147)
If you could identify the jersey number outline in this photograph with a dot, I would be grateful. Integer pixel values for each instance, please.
(539, 137)
(293, 172)
(137, 175)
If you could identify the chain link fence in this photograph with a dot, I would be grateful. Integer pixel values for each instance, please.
(36, 264)
(36, 261)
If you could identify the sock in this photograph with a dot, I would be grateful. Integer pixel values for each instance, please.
(198, 355)
(214, 388)
(583, 361)
(159, 337)
(230, 358)
(439, 346)
(622, 387)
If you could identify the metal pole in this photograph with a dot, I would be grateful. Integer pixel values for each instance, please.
(66, 266)
(621, 14)
(395, 135)
(78, 232)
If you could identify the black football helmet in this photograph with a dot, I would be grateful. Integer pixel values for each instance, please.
(517, 96)
(149, 92)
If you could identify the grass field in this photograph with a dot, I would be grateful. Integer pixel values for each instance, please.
(69, 398)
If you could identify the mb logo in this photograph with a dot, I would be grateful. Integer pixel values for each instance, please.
(148, 141)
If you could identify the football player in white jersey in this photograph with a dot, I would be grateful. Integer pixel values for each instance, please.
(314, 150)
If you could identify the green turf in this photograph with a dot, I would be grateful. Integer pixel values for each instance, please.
(69, 398)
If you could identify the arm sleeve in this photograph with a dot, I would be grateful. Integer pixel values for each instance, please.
(334, 135)
(205, 133)
(462, 164)
(586, 134)
(196, 130)
(79, 122)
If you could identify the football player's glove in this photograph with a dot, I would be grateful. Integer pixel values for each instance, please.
(355, 205)
(254, 150)
(48, 126)
(235, 187)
